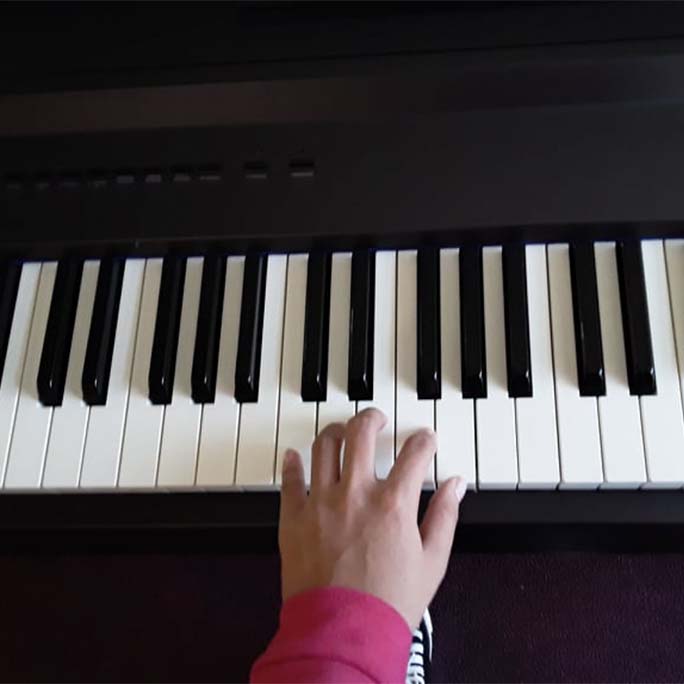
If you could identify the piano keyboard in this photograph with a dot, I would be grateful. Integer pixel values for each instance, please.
(540, 367)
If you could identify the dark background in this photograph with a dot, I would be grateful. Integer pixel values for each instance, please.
(52, 46)
(499, 617)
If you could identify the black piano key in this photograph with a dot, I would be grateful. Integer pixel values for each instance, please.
(248, 360)
(518, 364)
(10, 273)
(428, 340)
(98, 359)
(473, 350)
(166, 327)
(54, 359)
(585, 306)
(361, 325)
(635, 320)
(316, 328)
(205, 361)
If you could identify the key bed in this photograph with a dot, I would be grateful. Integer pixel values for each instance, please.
(282, 327)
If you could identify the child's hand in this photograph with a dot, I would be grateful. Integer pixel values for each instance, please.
(359, 532)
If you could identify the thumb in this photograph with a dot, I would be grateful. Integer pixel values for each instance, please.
(293, 488)
(439, 522)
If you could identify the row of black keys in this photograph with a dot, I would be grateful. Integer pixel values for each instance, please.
(95, 379)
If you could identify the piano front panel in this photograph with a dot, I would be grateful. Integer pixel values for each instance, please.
(447, 178)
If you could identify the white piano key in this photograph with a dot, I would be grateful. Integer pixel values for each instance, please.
(497, 459)
(661, 414)
(454, 415)
(338, 408)
(384, 357)
(622, 443)
(258, 420)
(674, 254)
(181, 428)
(411, 413)
(69, 421)
(142, 432)
(32, 423)
(538, 463)
(297, 418)
(16, 354)
(218, 439)
(578, 427)
(106, 423)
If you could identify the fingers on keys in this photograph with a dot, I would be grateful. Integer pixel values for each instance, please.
(359, 437)
(293, 493)
(325, 461)
(408, 474)
(359, 450)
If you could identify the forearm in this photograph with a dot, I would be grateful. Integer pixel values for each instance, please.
(335, 634)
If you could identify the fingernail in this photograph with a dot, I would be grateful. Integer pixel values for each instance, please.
(461, 488)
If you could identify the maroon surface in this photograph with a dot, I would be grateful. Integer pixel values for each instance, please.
(541, 617)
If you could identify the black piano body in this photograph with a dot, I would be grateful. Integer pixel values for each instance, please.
(340, 129)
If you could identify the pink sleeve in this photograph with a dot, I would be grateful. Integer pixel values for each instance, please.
(335, 634)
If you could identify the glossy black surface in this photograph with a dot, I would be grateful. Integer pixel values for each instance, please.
(641, 372)
(473, 351)
(98, 358)
(54, 360)
(165, 344)
(414, 127)
(428, 332)
(361, 325)
(588, 343)
(208, 335)
(10, 273)
(248, 360)
(231, 521)
(518, 363)
(316, 327)
(225, 37)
